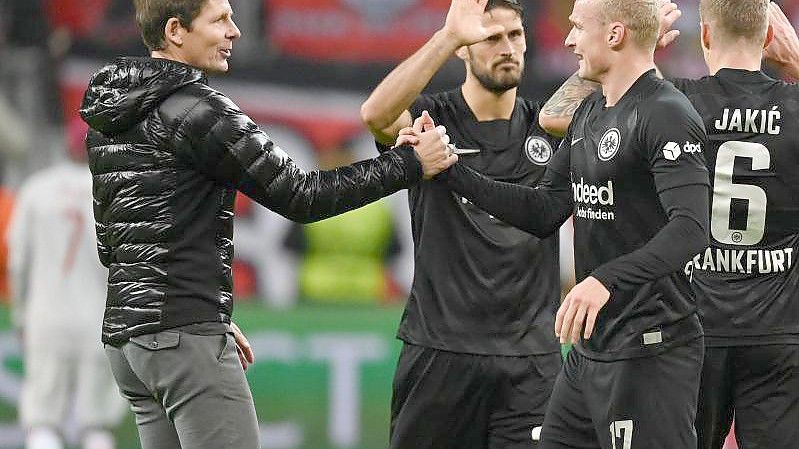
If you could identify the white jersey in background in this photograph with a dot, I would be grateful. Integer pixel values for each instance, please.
(58, 291)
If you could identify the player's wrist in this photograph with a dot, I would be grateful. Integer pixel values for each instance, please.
(447, 39)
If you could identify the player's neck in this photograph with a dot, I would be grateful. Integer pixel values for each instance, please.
(734, 58)
(487, 105)
(620, 78)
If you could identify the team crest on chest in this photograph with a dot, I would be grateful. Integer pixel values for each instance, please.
(609, 145)
(538, 150)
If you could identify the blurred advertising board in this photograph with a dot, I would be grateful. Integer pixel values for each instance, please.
(352, 30)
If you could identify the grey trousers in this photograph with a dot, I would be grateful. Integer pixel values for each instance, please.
(187, 391)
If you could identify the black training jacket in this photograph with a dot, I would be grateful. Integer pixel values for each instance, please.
(167, 154)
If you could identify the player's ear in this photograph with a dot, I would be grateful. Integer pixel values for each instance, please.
(704, 35)
(769, 36)
(463, 53)
(173, 32)
(616, 33)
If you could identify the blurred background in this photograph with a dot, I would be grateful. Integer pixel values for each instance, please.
(320, 303)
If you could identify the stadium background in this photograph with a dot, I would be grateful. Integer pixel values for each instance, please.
(319, 303)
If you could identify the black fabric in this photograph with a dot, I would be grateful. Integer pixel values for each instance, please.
(167, 155)
(746, 281)
(650, 401)
(755, 384)
(638, 183)
(480, 285)
(447, 400)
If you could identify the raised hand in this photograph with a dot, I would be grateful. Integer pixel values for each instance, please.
(669, 13)
(783, 51)
(464, 22)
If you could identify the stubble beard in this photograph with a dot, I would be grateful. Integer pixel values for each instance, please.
(498, 83)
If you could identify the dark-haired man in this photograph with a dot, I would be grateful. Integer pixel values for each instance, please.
(167, 154)
(479, 358)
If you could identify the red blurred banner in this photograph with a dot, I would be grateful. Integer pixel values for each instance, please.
(352, 30)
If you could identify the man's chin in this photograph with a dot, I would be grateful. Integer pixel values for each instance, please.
(218, 68)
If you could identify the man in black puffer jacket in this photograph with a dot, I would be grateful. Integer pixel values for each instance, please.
(167, 154)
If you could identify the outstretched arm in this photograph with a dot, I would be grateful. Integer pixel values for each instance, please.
(539, 211)
(385, 112)
(221, 141)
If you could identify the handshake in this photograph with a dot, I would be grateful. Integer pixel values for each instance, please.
(430, 143)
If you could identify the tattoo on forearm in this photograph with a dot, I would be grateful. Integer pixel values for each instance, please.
(568, 98)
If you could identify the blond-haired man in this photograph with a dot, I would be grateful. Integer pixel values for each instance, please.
(745, 281)
(631, 171)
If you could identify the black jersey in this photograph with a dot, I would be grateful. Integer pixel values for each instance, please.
(634, 177)
(621, 160)
(481, 286)
(747, 283)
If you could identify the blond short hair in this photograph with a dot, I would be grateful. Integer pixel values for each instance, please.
(640, 17)
(747, 19)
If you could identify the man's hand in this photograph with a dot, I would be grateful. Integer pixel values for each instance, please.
(579, 310)
(783, 51)
(464, 22)
(430, 143)
(243, 348)
(669, 13)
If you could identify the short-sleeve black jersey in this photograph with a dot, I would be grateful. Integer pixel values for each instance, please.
(621, 160)
(747, 283)
(481, 286)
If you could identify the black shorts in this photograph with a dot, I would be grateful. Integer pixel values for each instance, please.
(641, 403)
(447, 400)
(760, 386)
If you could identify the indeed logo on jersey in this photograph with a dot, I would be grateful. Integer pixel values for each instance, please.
(591, 194)
(672, 151)
(587, 195)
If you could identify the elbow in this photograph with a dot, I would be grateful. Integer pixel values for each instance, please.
(554, 125)
(369, 116)
(373, 118)
(698, 238)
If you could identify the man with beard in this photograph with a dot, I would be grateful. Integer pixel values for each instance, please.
(631, 171)
(479, 358)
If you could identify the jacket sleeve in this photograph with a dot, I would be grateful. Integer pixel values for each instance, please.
(217, 138)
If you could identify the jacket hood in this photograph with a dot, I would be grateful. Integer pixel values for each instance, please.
(122, 93)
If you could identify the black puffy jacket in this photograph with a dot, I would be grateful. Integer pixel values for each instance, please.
(167, 154)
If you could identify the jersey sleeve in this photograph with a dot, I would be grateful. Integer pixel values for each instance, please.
(673, 146)
(687, 210)
(20, 249)
(539, 211)
(672, 139)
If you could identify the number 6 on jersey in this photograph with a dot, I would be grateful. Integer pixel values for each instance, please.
(724, 190)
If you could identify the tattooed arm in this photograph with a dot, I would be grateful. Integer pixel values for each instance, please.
(556, 115)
